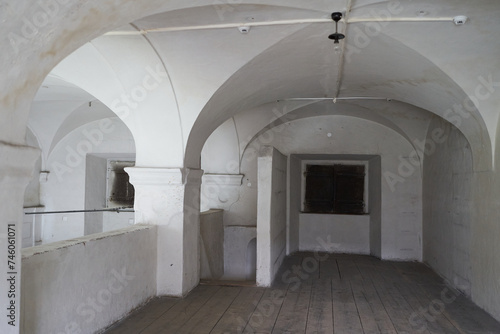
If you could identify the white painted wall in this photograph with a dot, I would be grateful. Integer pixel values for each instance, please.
(96, 191)
(170, 199)
(70, 287)
(32, 227)
(117, 220)
(227, 161)
(236, 261)
(271, 214)
(375, 200)
(211, 244)
(237, 195)
(401, 203)
(32, 193)
(484, 232)
(461, 219)
(432, 80)
(16, 170)
(65, 188)
(294, 203)
(222, 191)
(343, 233)
(448, 212)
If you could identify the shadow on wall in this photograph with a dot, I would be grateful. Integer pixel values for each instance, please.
(240, 253)
(251, 260)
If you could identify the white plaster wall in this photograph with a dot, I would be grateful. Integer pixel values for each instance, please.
(294, 204)
(402, 208)
(375, 200)
(271, 214)
(95, 192)
(65, 188)
(401, 216)
(236, 241)
(447, 208)
(343, 233)
(211, 244)
(70, 287)
(117, 220)
(31, 227)
(223, 144)
(461, 219)
(484, 240)
(32, 193)
(73, 24)
(16, 168)
(330, 232)
(221, 191)
(170, 199)
(95, 195)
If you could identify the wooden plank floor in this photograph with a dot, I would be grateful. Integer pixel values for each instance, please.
(320, 293)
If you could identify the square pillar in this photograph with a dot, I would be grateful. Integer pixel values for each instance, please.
(16, 168)
(271, 214)
(170, 199)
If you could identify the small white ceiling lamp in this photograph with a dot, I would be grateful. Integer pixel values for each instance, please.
(460, 20)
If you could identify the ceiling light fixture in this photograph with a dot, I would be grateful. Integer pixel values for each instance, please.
(336, 36)
(244, 29)
(460, 20)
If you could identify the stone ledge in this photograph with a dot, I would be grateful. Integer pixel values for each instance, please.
(37, 250)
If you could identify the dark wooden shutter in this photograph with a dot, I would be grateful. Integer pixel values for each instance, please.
(349, 185)
(319, 197)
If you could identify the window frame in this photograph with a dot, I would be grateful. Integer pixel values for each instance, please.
(304, 165)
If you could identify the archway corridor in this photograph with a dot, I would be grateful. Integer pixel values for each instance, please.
(233, 134)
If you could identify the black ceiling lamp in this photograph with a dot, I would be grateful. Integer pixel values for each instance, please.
(336, 36)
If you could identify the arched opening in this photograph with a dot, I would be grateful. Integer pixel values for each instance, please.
(81, 140)
(203, 83)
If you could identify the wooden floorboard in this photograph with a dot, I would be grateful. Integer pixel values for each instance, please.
(293, 314)
(238, 314)
(206, 318)
(380, 315)
(143, 318)
(182, 312)
(320, 293)
(320, 315)
(265, 314)
(345, 313)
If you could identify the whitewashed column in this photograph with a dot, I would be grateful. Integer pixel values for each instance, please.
(16, 168)
(170, 198)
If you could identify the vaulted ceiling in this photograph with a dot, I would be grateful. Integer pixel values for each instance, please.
(408, 51)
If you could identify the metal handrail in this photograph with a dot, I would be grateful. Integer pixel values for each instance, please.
(118, 210)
